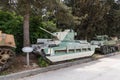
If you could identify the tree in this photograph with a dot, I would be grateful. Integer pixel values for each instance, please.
(113, 19)
(29, 7)
(89, 16)
(92, 13)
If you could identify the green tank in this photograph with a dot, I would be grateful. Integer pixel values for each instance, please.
(106, 44)
(62, 47)
(7, 55)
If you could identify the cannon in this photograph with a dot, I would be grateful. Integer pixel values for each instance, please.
(7, 44)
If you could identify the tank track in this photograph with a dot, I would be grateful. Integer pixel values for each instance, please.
(108, 49)
(43, 55)
(6, 58)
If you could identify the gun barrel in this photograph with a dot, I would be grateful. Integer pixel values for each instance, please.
(47, 31)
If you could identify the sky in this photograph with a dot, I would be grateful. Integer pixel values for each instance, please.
(116, 0)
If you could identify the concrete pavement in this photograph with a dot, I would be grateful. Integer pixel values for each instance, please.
(102, 69)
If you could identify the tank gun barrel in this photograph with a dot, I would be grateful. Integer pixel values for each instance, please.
(48, 32)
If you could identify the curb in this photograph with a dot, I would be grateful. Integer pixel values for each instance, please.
(26, 73)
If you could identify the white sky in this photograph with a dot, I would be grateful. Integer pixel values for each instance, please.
(116, 0)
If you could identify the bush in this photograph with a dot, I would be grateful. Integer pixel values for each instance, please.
(35, 31)
(42, 62)
(12, 24)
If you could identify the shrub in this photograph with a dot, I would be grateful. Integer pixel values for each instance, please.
(42, 62)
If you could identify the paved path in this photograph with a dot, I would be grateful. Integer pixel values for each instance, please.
(102, 69)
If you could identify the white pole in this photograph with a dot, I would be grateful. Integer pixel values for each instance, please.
(28, 60)
(27, 50)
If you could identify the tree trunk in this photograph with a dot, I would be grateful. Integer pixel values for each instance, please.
(26, 29)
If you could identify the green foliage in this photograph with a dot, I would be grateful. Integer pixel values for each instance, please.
(94, 11)
(3, 73)
(35, 31)
(113, 20)
(95, 17)
(42, 62)
(12, 24)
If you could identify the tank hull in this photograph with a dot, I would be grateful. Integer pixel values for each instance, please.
(66, 51)
(70, 56)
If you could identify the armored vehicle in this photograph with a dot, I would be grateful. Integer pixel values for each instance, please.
(6, 52)
(62, 47)
(106, 44)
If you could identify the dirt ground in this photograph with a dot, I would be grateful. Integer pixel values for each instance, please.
(19, 64)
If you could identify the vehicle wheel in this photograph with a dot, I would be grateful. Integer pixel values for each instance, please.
(6, 58)
(104, 50)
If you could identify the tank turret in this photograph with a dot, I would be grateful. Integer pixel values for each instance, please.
(65, 35)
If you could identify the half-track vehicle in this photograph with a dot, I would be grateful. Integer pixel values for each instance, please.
(106, 44)
(7, 54)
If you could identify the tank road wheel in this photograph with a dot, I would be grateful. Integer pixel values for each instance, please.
(6, 58)
(113, 49)
(105, 49)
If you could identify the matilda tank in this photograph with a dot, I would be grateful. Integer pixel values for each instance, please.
(62, 47)
(106, 44)
(7, 43)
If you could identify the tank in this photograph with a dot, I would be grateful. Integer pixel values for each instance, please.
(62, 47)
(106, 44)
(7, 54)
